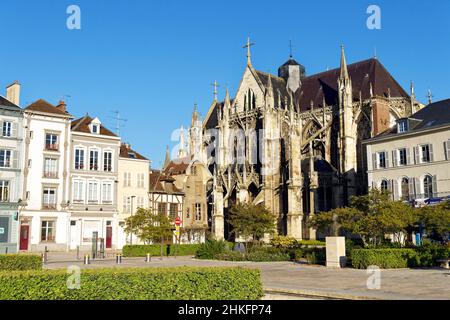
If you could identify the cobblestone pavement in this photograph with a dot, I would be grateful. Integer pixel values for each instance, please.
(302, 280)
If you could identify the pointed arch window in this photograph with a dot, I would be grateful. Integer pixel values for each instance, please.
(249, 100)
(384, 185)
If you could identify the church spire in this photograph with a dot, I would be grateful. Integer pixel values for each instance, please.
(227, 99)
(343, 68)
(248, 45)
(194, 115)
(167, 159)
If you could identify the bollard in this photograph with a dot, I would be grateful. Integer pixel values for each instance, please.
(148, 258)
(118, 259)
(6, 250)
(86, 259)
(45, 255)
(78, 252)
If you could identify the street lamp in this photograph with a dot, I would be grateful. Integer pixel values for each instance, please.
(131, 220)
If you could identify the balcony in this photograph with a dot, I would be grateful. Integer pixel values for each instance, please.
(50, 175)
(79, 166)
(107, 168)
(93, 167)
(51, 147)
(49, 206)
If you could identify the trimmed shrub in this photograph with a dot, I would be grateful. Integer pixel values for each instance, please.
(184, 283)
(14, 262)
(155, 250)
(211, 248)
(255, 254)
(308, 243)
(315, 255)
(231, 256)
(429, 253)
(384, 258)
(283, 242)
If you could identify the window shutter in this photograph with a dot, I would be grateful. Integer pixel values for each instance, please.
(408, 156)
(395, 189)
(416, 155)
(418, 191)
(435, 189)
(448, 150)
(431, 152)
(386, 155)
(394, 158)
(14, 130)
(15, 159)
(411, 188)
(374, 161)
(1, 128)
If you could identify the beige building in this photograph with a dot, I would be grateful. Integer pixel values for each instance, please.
(93, 183)
(132, 189)
(412, 159)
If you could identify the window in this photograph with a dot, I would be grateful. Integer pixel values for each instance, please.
(405, 189)
(107, 192)
(107, 161)
(198, 211)
(93, 159)
(381, 159)
(79, 159)
(7, 129)
(384, 185)
(4, 191)
(93, 192)
(5, 158)
(50, 168)
(140, 202)
(51, 142)
(162, 208)
(193, 170)
(402, 126)
(49, 201)
(428, 187)
(95, 128)
(402, 157)
(173, 211)
(78, 191)
(126, 204)
(48, 231)
(127, 179)
(425, 153)
(140, 180)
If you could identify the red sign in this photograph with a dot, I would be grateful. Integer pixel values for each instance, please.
(178, 221)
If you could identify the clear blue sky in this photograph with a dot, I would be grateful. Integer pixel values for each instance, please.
(151, 60)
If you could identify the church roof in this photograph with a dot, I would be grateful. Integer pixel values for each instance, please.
(291, 62)
(362, 74)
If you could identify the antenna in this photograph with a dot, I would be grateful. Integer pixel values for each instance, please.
(119, 121)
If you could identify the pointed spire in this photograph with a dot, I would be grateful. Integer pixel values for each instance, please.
(411, 89)
(344, 71)
(227, 99)
(167, 159)
(194, 115)
(248, 45)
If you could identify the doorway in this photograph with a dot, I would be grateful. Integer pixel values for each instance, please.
(24, 237)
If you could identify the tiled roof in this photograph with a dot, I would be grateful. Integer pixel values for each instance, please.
(160, 182)
(127, 152)
(178, 166)
(82, 125)
(43, 106)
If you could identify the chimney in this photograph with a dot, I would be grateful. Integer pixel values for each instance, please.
(61, 106)
(13, 93)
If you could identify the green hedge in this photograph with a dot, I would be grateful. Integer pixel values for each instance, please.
(155, 250)
(184, 283)
(20, 262)
(384, 258)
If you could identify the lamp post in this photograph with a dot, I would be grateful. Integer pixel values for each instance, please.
(131, 221)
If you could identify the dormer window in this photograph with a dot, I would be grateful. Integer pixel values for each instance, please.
(95, 128)
(402, 126)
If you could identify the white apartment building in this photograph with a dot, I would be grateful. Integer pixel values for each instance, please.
(94, 154)
(412, 160)
(132, 190)
(44, 217)
(11, 139)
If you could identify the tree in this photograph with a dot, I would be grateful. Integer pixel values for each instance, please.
(251, 221)
(149, 226)
(370, 216)
(436, 220)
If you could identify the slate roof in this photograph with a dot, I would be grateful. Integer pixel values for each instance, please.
(6, 103)
(43, 106)
(127, 152)
(82, 125)
(431, 116)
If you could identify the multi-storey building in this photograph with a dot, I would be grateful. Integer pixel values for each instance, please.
(412, 160)
(44, 218)
(132, 189)
(94, 153)
(11, 139)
